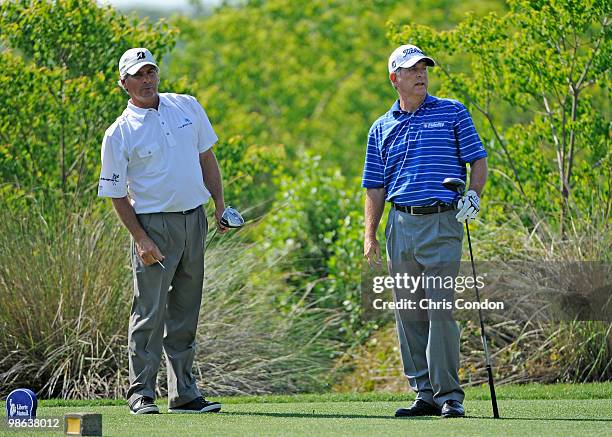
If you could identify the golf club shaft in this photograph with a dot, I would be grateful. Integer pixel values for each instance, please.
(482, 330)
(210, 240)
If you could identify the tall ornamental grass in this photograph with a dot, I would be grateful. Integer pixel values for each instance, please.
(522, 349)
(65, 293)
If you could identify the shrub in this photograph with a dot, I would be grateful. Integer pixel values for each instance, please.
(315, 226)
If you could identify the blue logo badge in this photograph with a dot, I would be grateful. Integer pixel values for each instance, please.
(21, 403)
(187, 123)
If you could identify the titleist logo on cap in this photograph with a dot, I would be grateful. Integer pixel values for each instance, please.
(406, 56)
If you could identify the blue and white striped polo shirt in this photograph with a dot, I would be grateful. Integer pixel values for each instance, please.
(410, 154)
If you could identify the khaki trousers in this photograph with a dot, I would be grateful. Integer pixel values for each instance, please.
(166, 306)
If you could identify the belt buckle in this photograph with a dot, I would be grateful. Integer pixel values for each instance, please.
(414, 213)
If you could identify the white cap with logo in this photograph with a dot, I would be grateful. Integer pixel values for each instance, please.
(406, 56)
(134, 59)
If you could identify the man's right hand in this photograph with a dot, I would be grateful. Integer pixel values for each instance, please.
(148, 251)
(371, 250)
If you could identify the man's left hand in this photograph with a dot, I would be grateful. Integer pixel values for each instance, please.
(218, 214)
(469, 206)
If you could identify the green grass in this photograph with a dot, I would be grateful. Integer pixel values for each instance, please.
(543, 410)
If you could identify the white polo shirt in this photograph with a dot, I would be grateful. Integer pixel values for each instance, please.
(153, 155)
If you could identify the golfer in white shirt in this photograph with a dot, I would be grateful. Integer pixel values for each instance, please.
(158, 168)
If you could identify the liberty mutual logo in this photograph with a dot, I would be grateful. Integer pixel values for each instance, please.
(17, 410)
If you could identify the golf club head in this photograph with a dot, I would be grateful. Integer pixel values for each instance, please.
(231, 218)
(454, 184)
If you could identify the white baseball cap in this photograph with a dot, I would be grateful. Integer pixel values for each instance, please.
(134, 59)
(406, 56)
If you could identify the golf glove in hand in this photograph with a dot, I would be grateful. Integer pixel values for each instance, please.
(468, 207)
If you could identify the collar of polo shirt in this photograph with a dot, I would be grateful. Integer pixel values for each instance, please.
(428, 101)
(140, 113)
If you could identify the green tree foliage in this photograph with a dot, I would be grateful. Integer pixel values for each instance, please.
(279, 76)
(539, 77)
(302, 73)
(248, 170)
(315, 227)
(58, 88)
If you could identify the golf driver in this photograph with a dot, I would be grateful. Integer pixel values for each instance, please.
(230, 218)
(458, 186)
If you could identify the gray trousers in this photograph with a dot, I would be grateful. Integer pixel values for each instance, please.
(427, 246)
(166, 306)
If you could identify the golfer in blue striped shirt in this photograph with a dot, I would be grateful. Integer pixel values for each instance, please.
(411, 149)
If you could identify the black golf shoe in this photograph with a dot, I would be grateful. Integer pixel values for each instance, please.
(144, 405)
(418, 408)
(452, 408)
(198, 405)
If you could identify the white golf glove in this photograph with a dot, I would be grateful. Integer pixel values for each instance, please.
(468, 207)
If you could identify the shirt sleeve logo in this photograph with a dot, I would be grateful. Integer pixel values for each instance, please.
(113, 180)
(434, 124)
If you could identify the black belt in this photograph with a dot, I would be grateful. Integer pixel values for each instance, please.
(423, 210)
(189, 211)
